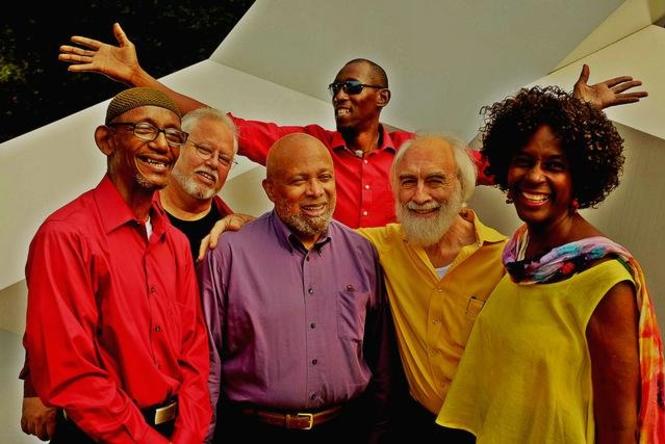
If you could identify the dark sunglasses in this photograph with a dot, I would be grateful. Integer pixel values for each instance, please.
(351, 87)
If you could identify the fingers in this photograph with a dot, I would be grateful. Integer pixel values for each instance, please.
(120, 35)
(73, 58)
(66, 49)
(624, 99)
(25, 426)
(41, 431)
(617, 80)
(50, 425)
(623, 86)
(205, 242)
(584, 75)
(85, 41)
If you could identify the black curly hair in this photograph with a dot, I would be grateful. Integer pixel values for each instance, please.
(589, 140)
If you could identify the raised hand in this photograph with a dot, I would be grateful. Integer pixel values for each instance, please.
(608, 93)
(119, 63)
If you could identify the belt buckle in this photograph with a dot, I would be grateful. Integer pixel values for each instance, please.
(310, 420)
(166, 413)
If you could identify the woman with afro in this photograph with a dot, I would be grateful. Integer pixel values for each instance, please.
(567, 348)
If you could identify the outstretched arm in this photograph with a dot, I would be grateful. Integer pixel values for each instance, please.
(119, 63)
(611, 92)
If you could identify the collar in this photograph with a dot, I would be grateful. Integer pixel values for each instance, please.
(484, 233)
(289, 240)
(115, 212)
(337, 142)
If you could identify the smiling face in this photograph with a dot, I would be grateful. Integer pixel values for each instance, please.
(358, 110)
(136, 165)
(540, 181)
(201, 178)
(428, 191)
(301, 184)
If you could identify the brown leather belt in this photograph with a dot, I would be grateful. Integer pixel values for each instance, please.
(298, 421)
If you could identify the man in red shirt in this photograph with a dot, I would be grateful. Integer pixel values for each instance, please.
(115, 336)
(362, 149)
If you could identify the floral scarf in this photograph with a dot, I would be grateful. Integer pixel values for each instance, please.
(575, 257)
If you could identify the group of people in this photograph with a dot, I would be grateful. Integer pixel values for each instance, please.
(369, 303)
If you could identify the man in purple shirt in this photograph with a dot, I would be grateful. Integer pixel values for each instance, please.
(298, 320)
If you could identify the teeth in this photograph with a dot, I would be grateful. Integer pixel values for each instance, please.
(342, 111)
(156, 163)
(208, 176)
(535, 197)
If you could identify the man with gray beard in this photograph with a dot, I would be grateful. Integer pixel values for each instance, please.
(192, 205)
(440, 265)
(299, 325)
(190, 199)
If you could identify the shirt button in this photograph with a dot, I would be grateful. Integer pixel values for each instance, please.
(312, 396)
(365, 160)
(158, 329)
(312, 325)
(367, 187)
(364, 213)
(310, 290)
(315, 361)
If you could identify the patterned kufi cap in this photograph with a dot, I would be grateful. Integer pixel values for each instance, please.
(136, 97)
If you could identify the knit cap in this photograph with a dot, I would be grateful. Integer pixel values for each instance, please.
(135, 97)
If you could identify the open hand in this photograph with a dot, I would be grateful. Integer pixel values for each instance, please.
(611, 92)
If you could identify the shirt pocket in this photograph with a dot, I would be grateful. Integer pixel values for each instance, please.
(351, 312)
(473, 306)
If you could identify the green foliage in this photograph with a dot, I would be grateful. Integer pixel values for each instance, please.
(36, 89)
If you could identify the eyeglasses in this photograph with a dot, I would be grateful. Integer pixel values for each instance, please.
(206, 154)
(351, 87)
(145, 131)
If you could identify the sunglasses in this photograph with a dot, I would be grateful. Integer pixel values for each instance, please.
(350, 87)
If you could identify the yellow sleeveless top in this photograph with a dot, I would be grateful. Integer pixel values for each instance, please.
(525, 376)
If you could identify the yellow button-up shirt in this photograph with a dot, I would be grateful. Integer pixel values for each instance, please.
(433, 316)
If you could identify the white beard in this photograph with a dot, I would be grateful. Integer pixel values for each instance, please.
(428, 231)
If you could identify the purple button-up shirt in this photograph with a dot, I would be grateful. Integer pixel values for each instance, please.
(293, 329)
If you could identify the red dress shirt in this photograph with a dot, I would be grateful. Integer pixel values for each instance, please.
(364, 194)
(114, 320)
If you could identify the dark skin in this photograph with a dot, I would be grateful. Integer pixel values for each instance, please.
(541, 185)
(357, 115)
(120, 63)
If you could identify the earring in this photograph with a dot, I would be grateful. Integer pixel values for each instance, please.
(574, 204)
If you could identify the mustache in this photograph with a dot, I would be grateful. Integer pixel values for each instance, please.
(423, 207)
(210, 171)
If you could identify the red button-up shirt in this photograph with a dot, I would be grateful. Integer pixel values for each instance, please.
(364, 195)
(114, 320)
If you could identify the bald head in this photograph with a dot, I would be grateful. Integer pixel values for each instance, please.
(293, 151)
(300, 181)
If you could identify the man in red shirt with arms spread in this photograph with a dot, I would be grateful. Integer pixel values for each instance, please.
(115, 336)
(362, 148)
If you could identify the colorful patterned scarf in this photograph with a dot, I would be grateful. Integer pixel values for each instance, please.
(575, 257)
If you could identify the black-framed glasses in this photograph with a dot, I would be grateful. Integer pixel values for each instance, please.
(206, 154)
(145, 131)
(350, 87)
